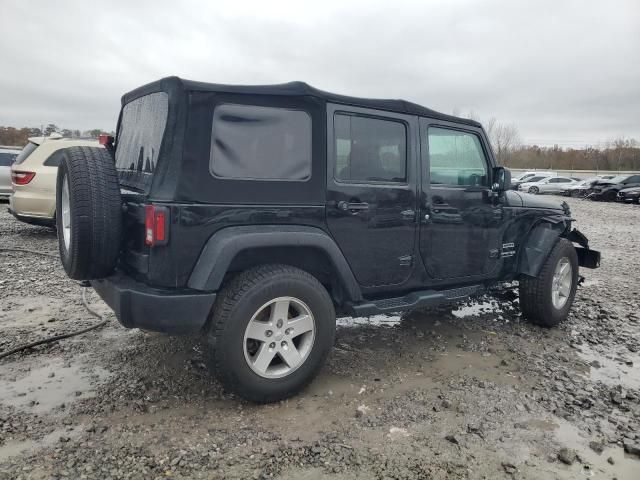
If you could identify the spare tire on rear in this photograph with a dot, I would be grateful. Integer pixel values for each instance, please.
(88, 212)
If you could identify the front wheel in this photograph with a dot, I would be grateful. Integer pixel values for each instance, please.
(534, 190)
(546, 299)
(271, 331)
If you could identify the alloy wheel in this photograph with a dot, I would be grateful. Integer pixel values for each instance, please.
(279, 337)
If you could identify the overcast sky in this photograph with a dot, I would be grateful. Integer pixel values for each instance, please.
(564, 72)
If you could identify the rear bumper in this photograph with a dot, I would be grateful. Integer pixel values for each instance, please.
(161, 310)
(42, 221)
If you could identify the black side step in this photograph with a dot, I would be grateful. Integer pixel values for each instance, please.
(413, 300)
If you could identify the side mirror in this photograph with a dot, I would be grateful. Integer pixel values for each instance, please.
(501, 179)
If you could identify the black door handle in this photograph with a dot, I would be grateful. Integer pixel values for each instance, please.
(352, 206)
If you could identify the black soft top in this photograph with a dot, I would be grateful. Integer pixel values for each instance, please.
(175, 84)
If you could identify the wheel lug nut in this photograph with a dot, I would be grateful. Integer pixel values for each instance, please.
(283, 344)
(288, 331)
(268, 333)
(272, 345)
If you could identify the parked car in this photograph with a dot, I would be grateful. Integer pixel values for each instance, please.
(7, 157)
(607, 190)
(528, 177)
(149, 221)
(629, 195)
(33, 176)
(580, 189)
(524, 186)
(547, 185)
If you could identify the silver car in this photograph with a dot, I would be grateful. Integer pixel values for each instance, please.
(7, 157)
(548, 185)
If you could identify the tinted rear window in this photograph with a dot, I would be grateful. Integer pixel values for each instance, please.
(260, 143)
(6, 159)
(54, 159)
(26, 151)
(139, 138)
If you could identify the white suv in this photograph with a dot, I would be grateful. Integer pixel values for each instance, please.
(33, 178)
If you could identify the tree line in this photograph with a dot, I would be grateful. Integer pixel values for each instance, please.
(617, 154)
(19, 136)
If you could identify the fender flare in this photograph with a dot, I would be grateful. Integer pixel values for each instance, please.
(224, 245)
(540, 240)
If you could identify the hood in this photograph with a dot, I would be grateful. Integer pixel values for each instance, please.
(538, 201)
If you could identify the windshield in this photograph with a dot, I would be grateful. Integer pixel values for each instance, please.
(618, 179)
(26, 151)
(139, 138)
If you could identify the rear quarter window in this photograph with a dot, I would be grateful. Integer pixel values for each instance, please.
(54, 159)
(251, 142)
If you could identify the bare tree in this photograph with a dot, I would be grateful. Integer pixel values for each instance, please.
(504, 138)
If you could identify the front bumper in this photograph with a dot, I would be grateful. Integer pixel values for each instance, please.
(137, 305)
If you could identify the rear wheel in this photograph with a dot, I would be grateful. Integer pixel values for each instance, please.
(546, 299)
(271, 330)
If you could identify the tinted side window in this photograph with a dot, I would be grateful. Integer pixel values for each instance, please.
(54, 159)
(260, 143)
(633, 179)
(6, 159)
(456, 158)
(26, 151)
(370, 149)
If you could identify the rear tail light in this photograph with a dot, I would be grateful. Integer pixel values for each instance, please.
(156, 221)
(22, 178)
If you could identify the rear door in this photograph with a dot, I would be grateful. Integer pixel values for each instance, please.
(371, 192)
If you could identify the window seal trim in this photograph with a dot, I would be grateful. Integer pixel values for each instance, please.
(250, 179)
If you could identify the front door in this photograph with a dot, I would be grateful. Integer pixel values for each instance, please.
(460, 223)
(371, 192)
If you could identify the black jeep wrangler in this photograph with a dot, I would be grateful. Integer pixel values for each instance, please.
(251, 214)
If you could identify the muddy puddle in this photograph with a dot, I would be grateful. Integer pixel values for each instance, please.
(612, 369)
(591, 464)
(49, 387)
(13, 448)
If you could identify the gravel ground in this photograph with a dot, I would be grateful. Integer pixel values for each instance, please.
(468, 391)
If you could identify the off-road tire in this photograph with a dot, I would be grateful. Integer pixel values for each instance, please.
(95, 212)
(233, 309)
(535, 293)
